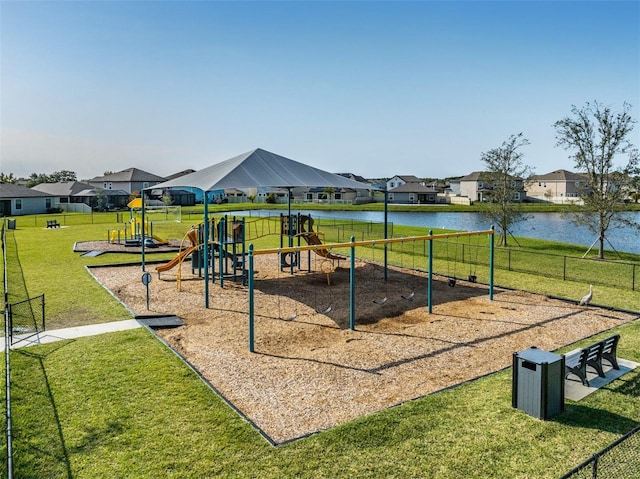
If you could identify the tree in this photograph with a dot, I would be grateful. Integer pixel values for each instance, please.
(505, 174)
(55, 177)
(101, 200)
(7, 178)
(63, 175)
(36, 179)
(596, 136)
(166, 199)
(329, 191)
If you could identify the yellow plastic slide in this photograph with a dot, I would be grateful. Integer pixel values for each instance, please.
(175, 261)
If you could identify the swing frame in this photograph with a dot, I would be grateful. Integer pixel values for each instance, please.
(352, 277)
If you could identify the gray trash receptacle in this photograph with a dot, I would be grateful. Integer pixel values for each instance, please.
(538, 382)
(11, 224)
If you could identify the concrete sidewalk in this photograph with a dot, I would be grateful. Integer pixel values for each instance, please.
(22, 341)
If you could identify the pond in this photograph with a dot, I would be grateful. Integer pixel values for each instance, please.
(547, 226)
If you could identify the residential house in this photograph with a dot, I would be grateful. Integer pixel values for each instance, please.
(559, 186)
(477, 186)
(411, 189)
(131, 180)
(414, 193)
(401, 180)
(82, 197)
(17, 200)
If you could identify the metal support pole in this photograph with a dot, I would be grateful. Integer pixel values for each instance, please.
(290, 224)
(352, 288)
(206, 249)
(142, 236)
(251, 306)
(222, 249)
(386, 231)
(430, 275)
(491, 253)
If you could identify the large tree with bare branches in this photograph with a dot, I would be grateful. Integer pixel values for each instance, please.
(598, 138)
(504, 176)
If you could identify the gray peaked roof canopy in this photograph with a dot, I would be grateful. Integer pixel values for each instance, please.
(255, 169)
(261, 168)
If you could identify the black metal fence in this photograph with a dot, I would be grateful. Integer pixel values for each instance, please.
(618, 274)
(26, 318)
(620, 460)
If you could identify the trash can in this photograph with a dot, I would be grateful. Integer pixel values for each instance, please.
(11, 224)
(538, 382)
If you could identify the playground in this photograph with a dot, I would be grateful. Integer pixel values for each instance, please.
(309, 371)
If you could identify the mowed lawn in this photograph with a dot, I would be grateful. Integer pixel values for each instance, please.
(124, 405)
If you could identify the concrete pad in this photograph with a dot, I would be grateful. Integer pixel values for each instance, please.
(575, 390)
(92, 253)
(72, 333)
(171, 321)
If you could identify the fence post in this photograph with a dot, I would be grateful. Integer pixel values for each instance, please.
(564, 268)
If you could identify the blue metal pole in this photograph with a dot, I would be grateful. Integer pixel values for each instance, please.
(430, 276)
(251, 306)
(205, 246)
(352, 288)
(491, 252)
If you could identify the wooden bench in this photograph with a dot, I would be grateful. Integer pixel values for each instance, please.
(53, 224)
(592, 356)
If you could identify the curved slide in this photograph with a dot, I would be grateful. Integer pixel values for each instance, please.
(311, 237)
(177, 260)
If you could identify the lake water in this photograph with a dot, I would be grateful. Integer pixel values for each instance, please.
(548, 226)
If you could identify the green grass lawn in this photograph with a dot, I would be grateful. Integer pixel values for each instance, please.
(123, 405)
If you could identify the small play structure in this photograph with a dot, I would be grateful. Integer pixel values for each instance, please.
(295, 228)
(223, 245)
(135, 229)
(226, 247)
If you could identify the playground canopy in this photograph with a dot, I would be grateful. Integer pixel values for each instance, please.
(260, 168)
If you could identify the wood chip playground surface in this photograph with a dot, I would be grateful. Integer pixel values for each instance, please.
(310, 372)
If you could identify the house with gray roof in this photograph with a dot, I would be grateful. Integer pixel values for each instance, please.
(414, 193)
(478, 185)
(559, 186)
(18, 200)
(401, 180)
(130, 180)
(79, 196)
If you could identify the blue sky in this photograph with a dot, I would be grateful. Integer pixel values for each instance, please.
(373, 88)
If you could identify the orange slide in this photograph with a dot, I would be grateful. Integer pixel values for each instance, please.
(192, 235)
(175, 261)
(311, 237)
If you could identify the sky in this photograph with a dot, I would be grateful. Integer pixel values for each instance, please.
(373, 88)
